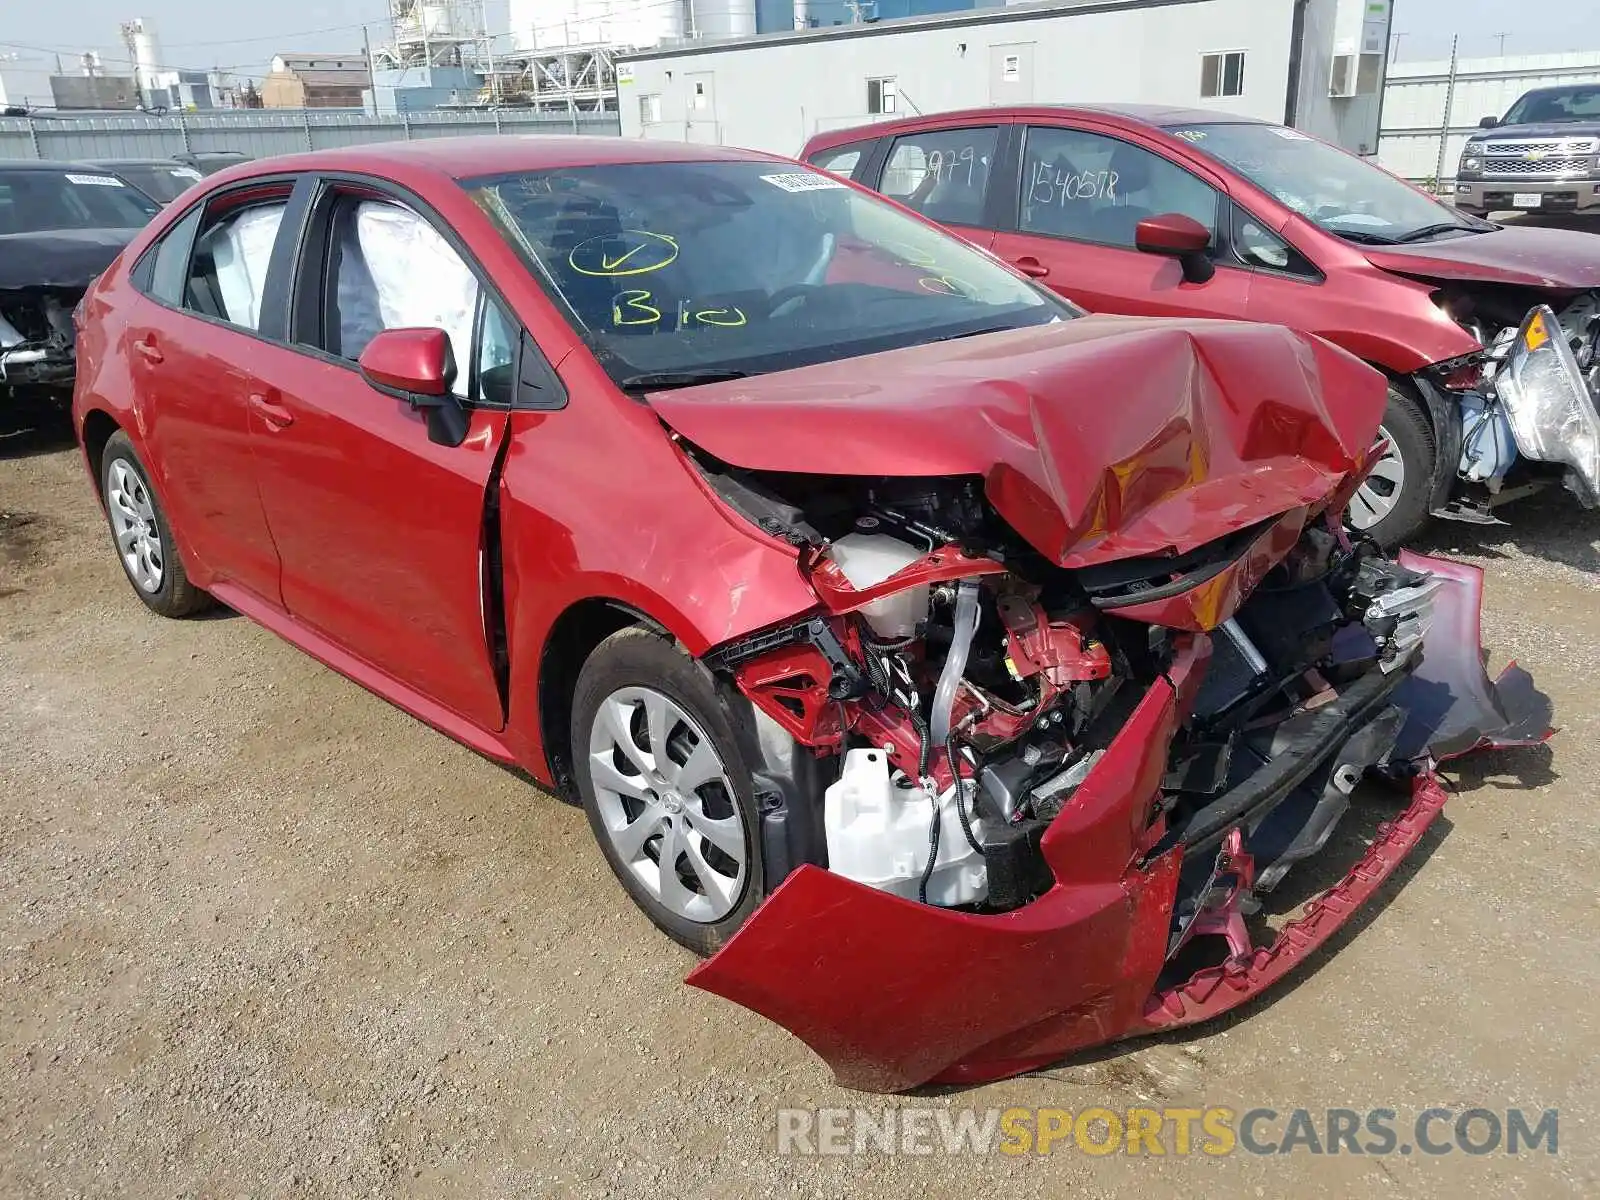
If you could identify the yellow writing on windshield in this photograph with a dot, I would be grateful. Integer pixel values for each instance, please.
(633, 307)
(630, 252)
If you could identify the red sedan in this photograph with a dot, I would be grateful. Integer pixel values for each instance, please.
(953, 668)
(1177, 212)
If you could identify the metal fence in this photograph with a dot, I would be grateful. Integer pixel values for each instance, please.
(1430, 108)
(259, 133)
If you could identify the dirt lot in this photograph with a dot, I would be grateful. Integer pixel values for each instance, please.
(263, 935)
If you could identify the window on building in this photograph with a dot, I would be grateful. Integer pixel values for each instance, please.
(1222, 74)
(698, 100)
(650, 109)
(1092, 188)
(943, 174)
(881, 96)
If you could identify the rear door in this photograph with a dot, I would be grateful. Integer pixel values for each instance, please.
(381, 531)
(948, 175)
(1070, 223)
(202, 323)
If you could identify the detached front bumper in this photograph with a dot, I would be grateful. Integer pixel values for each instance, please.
(893, 994)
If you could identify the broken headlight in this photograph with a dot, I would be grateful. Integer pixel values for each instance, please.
(1548, 404)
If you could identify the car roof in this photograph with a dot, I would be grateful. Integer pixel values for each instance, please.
(462, 157)
(1150, 115)
(134, 162)
(47, 164)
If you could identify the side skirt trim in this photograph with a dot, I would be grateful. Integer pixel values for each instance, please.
(379, 683)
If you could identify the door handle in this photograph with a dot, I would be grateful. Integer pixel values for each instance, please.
(147, 348)
(275, 415)
(1032, 267)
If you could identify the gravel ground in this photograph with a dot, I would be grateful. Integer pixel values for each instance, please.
(263, 935)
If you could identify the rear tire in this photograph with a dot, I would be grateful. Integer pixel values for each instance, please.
(660, 773)
(1392, 504)
(142, 536)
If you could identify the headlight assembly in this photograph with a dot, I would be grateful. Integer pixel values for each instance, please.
(1548, 404)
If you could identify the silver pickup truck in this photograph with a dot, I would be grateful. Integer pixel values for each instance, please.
(1543, 156)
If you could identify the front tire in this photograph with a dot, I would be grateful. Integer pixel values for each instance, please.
(665, 788)
(142, 534)
(1392, 504)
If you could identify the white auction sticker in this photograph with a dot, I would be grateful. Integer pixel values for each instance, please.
(802, 181)
(96, 180)
(184, 173)
(1294, 135)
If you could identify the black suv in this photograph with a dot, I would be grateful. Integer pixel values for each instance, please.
(1544, 156)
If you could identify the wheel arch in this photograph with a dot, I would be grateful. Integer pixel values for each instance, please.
(1444, 417)
(97, 429)
(571, 639)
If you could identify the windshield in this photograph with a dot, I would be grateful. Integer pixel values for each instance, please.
(1339, 192)
(699, 268)
(159, 181)
(34, 201)
(1556, 104)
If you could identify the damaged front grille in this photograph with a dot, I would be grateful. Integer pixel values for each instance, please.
(1399, 609)
(37, 338)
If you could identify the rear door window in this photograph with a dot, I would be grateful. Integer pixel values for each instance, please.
(227, 275)
(170, 273)
(943, 174)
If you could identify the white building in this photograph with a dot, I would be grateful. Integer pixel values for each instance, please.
(1318, 64)
(24, 81)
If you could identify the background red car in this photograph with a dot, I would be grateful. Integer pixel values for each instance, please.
(1263, 223)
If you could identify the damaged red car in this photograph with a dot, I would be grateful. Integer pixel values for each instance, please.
(950, 668)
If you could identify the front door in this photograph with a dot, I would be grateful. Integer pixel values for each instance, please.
(1082, 194)
(381, 531)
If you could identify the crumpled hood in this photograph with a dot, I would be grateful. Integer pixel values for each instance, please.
(1522, 255)
(59, 258)
(1097, 439)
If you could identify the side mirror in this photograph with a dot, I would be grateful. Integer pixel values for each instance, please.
(1488, 122)
(1179, 237)
(418, 366)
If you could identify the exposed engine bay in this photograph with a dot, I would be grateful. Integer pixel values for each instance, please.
(963, 689)
(1081, 683)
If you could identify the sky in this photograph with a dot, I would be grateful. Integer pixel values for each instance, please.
(243, 37)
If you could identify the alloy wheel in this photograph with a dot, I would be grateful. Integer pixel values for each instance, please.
(667, 805)
(1378, 494)
(133, 523)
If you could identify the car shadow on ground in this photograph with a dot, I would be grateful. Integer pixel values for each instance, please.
(1549, 525)
(30, 426)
